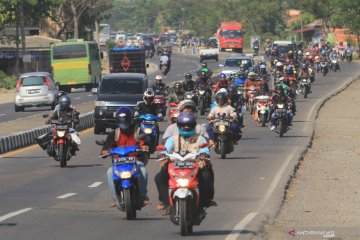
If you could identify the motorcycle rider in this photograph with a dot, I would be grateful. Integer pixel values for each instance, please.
(164, 60)
(279, 97)
(126, 135)
(235, 101)
(186, 140)
(159, 87)
(240, 79)
(178, 95)
(188, 83)
(204, 68)
(222, 83)
(64, 110)
(251, 82)
(222, 106)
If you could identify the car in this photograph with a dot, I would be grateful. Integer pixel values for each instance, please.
(232, 64)
(120, 35)
(117, 90)
(283, 47)
(35, 89)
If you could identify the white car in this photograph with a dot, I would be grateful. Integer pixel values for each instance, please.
(120, 35)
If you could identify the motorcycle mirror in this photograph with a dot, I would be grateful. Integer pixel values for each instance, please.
(160, 148)
(100, 142)
(45, 115)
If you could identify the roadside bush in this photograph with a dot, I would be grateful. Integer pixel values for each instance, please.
(8, 82)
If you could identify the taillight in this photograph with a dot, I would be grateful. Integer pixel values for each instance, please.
(47, 82)
(18, 84)
(89, 67)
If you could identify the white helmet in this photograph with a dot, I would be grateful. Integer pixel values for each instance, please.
(149, 96)
(299, 52)
(158, 77)
(279, 64)
(307, 54)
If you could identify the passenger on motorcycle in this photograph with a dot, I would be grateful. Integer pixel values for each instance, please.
(178, 95)
(159, 87)
(240, 79)
(147, 106)
(63, 110)
(186, 140)
(188, 83)
(279, 97)
(223, 107)
(125, 135)
(236, 102)
(222, 83)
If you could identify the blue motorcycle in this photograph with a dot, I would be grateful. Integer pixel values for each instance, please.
(126, 177)
(149, 126)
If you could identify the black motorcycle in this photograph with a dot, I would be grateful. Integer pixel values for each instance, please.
(281, 119)
(224, 142)
(304, 86)
(324, 67)
(202, 96)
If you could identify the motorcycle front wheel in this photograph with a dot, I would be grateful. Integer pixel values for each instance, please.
(263, 118)
(185, 222)
(223, 149)
(130, 208)
(281, 128)
(202, 110)
(62, 155)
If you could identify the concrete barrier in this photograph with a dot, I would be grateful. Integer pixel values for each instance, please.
(26, 138)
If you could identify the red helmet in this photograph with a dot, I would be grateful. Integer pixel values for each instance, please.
(310, 57)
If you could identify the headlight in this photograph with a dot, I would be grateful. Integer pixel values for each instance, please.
(280, 105)
(126, 174)
(183, 182)
(221, 128)
(100, 103)
(148, 130)
(201, 91)
(60, 133)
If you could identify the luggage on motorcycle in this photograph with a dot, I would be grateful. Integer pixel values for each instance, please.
(43, 140)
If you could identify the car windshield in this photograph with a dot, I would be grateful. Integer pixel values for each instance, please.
(121, 86)
(237, 62)
(284, 48)
(231, 33)
(69, 51)
(32, 81)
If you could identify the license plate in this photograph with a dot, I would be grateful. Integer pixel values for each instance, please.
(124, 160)
(222, 123)
(114, 114)
(183, 165)
(33, 91)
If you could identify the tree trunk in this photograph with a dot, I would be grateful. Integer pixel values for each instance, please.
(97, 32)
(75, 19)
(17, 61)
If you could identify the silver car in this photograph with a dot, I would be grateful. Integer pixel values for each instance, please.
(35, 89)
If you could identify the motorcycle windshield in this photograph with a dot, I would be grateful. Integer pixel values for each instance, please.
(148, 117)
(123, 151)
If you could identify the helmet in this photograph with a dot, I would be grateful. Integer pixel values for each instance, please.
(124, 117)
(64, 102)
(188, 77)
(231, 90)
(279, 88)
(252, 75)
(307, 54)
(187, 104)
(241, 74)
(263, 66)
(186, 124)
(204, 65)
(279, 64)
(288, 68)
(310, 57)
(222, 76)
(158, 79)
(290, 52)
(221, 98)
(149, 96)
(177, 87)
(299, 52)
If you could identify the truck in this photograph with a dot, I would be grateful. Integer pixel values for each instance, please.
(127, 60)
(230, 36)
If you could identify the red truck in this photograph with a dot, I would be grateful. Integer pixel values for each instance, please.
(230, 36)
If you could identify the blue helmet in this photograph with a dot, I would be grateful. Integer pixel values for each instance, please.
(263, 66)
(288, 68)
(222, 75)
(186, 124)
(124, 117)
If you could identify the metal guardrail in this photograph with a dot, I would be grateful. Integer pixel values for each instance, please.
(27, 138)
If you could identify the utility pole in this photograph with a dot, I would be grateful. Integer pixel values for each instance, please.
(301, 26)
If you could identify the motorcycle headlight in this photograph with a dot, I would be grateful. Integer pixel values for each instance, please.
(148, 130)
(201, 92)
(100, 103)
(280, 105)
(222, 128)
(126, 174)
(60, 133)
(183, 182)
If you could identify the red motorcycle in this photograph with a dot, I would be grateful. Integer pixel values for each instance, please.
(184, 195)
(174, 112)
(251, 93)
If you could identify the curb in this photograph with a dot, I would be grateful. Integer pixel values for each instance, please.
(27, 138)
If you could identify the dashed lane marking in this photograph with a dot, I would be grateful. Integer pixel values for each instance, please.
(66, 195)
(95, 184)
(13, 214)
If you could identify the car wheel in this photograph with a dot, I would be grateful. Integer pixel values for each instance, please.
(19, 109)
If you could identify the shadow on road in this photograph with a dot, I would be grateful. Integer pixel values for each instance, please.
(85, 165)
(221, 232)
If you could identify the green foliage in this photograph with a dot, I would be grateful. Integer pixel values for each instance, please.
(110, 44)
(8, 82)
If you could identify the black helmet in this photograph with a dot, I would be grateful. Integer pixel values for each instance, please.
(124, 117)
(188, 77)
(231, 90)
(186, 124)
(221, 99)
(187, 104)
(64, 102)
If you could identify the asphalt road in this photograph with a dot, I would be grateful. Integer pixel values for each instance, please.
(180, 66)
(39, 200)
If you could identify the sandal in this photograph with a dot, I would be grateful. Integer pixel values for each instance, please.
(160, 206)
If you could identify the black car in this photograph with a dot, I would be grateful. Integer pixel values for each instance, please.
(117, 90)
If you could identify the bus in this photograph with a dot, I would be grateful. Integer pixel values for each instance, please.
(76, 64)
(230, 36)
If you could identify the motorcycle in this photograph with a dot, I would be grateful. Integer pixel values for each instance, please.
(149, 127)
(160, 101)
(148, 54)
(281, 122)
(256, 50)
(203, 98)
(251, 93)
(334, 64)
(267, 51)
(173, 112)
(262, 109)
(163, 68)
(304, 87)
(324, 67)
(342, 54)
(184, 194)
(126, 174)
(224, 143)
(348, 55)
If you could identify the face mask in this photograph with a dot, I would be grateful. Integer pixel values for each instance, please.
(186, 134)
(124, 126)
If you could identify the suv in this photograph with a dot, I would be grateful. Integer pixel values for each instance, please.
(283, 47)
(117, 90)
(232, 64)
(35, 89)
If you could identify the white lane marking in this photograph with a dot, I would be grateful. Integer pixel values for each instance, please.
(235, 233)
(3, 114)
(95, 184)
(13, 214)
(66, 195)
(90, 95)
(77, 98)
